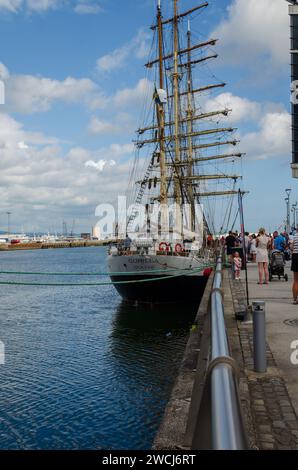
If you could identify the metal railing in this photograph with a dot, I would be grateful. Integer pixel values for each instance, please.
(227, 428)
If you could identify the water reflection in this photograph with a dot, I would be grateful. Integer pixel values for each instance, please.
(148, 319)
(146, 349)
(83, 369)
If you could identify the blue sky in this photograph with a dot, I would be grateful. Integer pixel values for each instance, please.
(74, 85)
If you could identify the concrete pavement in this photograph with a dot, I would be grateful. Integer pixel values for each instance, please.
(281, 323)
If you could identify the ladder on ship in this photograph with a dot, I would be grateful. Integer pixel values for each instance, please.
(140, 195)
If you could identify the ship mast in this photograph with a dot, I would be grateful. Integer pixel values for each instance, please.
(176, 106)
(190, 114)
(175, 133)
(160, 112)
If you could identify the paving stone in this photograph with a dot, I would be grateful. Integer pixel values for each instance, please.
(270, 395)
(284, 402)
(267, 438)
(263, 420)
(287, 406)
(264, 428)
(290, 417)
(266, 404)
(259, 407)
(287, 411)
(279, 424)
(273, 409)
(267, 445)
(259, 402)
(256, 393)
(284, 439)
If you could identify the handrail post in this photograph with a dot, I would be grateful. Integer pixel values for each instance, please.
(259, 335)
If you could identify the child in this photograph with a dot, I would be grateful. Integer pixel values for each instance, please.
(237, 263)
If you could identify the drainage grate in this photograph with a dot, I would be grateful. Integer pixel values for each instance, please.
(292, 322)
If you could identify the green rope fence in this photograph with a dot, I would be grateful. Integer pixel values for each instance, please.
(187, 272)
(25, 273)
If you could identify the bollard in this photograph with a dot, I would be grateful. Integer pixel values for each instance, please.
(259, 336)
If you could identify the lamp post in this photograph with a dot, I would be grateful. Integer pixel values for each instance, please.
(286, 219)
(288, 227)
(294, 206)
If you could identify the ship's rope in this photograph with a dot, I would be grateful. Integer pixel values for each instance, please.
(161, 278)
(235, 220)
(30, 273)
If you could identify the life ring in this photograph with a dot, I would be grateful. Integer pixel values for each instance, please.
(179, 248)
(163, 246)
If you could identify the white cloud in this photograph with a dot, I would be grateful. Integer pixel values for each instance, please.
(10, 5)
(121, 123)
(273, 139)
(271, 121)
(117, 150)
(29, 94)
(123, 98)
(22, 145)
(12, 133)
(100, 165)
(86, 7)
(255, 29)
(37, 6)
(98, 126)
(4, 73)
(40, 6)
(137, 47)
(242, 108)
(97, 165)
(43, 183)
(133, 96)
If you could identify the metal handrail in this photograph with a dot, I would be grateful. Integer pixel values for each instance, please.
(227, 428)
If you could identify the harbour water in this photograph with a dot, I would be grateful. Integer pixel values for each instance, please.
(83, 370)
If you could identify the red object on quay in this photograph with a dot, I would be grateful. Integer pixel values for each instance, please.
(207, 272)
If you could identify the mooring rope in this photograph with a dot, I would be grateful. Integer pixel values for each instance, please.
(111, 273)
(161, 278)
(27, 273)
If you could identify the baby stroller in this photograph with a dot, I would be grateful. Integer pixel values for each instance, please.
(277, 265)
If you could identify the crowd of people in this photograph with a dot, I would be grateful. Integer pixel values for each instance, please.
(276, 241)
(257, 248)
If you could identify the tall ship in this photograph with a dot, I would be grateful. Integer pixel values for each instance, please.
(183, 184)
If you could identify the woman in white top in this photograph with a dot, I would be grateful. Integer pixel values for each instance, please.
(263, 243)
(253, 248)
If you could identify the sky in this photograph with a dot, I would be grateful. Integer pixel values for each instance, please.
(74, 86)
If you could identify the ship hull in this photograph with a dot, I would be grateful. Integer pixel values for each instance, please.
(168, 284)
(183, 289)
